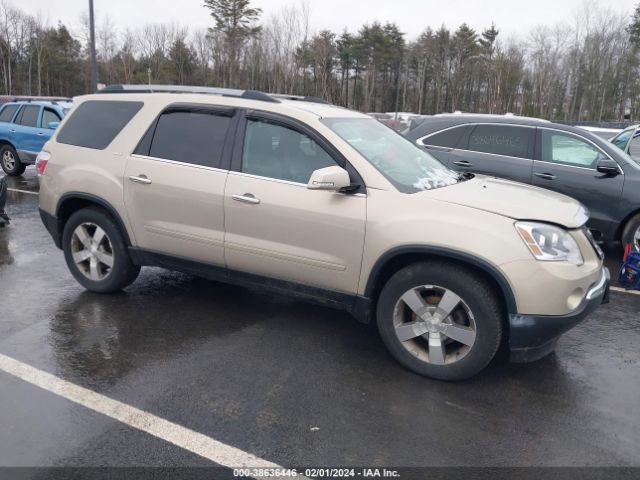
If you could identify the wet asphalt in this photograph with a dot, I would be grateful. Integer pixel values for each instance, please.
(293, 383)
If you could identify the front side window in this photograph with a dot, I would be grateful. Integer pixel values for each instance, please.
(95, 123)
(49, 116)
(566, 149)
(276, 151)
(504, 140)
(7, 113)
(196, 137)
(29, 116)
(408, 167)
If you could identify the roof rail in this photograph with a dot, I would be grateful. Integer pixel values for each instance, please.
(300, 98)
(225, 92)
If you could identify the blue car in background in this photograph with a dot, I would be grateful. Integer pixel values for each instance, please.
(24, 129)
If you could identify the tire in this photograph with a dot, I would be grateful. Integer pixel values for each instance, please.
(88, 252)
(10, 162)
(631, 233)
(476, 320)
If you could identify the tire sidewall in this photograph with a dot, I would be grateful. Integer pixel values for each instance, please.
(122, 269)
(630, 230)
(18, 168)
(487, 318)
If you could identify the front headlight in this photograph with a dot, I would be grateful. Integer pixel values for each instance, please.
(549, 243)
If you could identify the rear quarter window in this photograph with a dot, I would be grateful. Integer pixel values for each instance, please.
(450, 138)
(95, 123)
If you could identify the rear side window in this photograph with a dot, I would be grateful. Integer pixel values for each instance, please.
(94, 123)
(7, 113)
(502, 140)
(28, 117)
(195, 137)
(450, 138)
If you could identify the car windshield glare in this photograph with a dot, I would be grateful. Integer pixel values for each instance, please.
(404, 164)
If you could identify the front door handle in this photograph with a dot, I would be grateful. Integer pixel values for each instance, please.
(246, 198)
(463, 163)
(143, 179)
(546, 176)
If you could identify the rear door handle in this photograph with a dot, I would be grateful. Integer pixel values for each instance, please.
(463, 163)
(546, 176)
(246, 198)
(143, 179)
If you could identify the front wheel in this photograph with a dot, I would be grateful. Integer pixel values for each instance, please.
(10, 162)
(96, 252)
(440, 320)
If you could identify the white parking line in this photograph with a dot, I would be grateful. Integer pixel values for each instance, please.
(623, 290)
(22, 191)
(182, 437)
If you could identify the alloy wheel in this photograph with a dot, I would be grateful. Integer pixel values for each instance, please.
(92, 251)
(434, 324)
(636, 239)
(9, 160)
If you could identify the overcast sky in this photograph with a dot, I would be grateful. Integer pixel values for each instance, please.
(413, 16)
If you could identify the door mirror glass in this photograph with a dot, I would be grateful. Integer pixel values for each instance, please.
(608, 167)
(53, 125)
(329, 178)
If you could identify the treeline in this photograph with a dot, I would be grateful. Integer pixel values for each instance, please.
(586, 70)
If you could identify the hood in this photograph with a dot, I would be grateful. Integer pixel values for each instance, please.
(514, 200)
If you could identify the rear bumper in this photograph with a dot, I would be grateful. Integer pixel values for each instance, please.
(534, 336)
(27, 157)
(51, 224)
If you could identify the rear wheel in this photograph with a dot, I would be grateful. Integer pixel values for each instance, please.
(631, 233)
(96, 253)
(10, 162)
(440, 320)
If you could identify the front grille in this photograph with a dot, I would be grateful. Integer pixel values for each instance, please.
(593, 242)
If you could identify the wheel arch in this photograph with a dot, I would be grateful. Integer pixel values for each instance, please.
(4, 141)
(71, 202)
(625, 221)
(395, 259)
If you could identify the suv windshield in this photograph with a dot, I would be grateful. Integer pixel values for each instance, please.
(404, 164)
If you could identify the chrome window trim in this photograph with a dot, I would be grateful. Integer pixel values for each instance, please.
(176, 162)
(420, 141)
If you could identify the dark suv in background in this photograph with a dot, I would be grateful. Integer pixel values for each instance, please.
(558, 157)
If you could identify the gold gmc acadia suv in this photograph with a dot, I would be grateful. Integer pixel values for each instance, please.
(304, 198)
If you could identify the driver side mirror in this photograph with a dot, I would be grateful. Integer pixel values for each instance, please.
(53, 125)
(608, 167)
(329, 178)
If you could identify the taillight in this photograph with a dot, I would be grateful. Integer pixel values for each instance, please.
(41, 161)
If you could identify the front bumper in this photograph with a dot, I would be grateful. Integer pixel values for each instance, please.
(534, 336)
